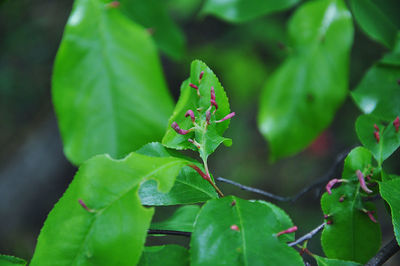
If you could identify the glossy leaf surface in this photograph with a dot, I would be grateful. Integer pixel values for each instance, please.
(232, 231)
(113, 229)
(300, 99)
(389, 139)
(168, 255)
(378, 93)
(333, 262)
(390, 191)
(358, 158)
(189, 186)
(352, 235)
(244, 10)
(6, 260)
(182, 219)
(189, 100)
(108, 88)
(152, 15)
(378, 19)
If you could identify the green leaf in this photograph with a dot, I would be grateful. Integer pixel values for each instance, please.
(114, 229)
(300, 99)
(108, 89)
(359, 158)
(378, 93)
(238, 11)
(189, 186)
(211, 138)
(332, 262)
(6, 260)
(182, 220)
(378, 19)
(168, 255)
(214, 242)
(352, 235)
(389, 138)
(153, 15)
(390, 191)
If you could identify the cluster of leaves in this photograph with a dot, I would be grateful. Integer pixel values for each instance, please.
(111, 98)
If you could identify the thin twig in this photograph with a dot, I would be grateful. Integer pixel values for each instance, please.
(168, 232)
(318, 183)
(384, 254)
(307, 236)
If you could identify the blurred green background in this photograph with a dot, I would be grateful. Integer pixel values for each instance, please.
(34, 172)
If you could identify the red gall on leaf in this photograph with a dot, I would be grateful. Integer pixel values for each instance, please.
(198, 170)
(377, 136)
(370, 215)
(376, 127)
(396, 124)
(329, 222)
(212, 93)
(114, 4)
(361, 179)
(178, 130)
(193, 86)
(233, 203)
(214, 103)
(226, 117)
(201, 75)
(341, 199)
(331, 183)
(287, 231)
(191, 114)
(208, 116)
(234, 227)
(195, 143)
(85, 206)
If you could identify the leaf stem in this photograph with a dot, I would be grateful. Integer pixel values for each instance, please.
(221, 195)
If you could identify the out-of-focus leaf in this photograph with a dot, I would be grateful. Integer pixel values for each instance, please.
(109, 92)
(390, 191)
(189, 186)
(213, 136)
(300, 99)
(113, 227)
(6, 260)
(233, 231)
(168, 255)
(183, 9)
(333, 262)
(378, 93)
(153, 15)
(352, 235)
(378, 19)
(389, 138)
(243, 10)
(182, 219)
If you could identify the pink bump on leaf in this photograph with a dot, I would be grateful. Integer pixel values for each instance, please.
(178, 130)
(84, 206)
(191, 114)
(226, 117)
(233, 203)
(361, 179)
(396, 124)
(193, 86)
(214, 103)
(212, 93)
(371, 215)
(208, 116)
(201, 75)
(329, 222)
(377, 136)
(195, 143)
(331, 183)
(341, 199)
(287, 231)
(376, 127)
(114, 4)
(234, 227)
(198, 170)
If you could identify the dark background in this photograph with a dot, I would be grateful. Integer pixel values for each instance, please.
(34, 171)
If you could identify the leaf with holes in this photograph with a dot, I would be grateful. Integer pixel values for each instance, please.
(301, 98)
(110, 227)
(233, 231)
(108, 89)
